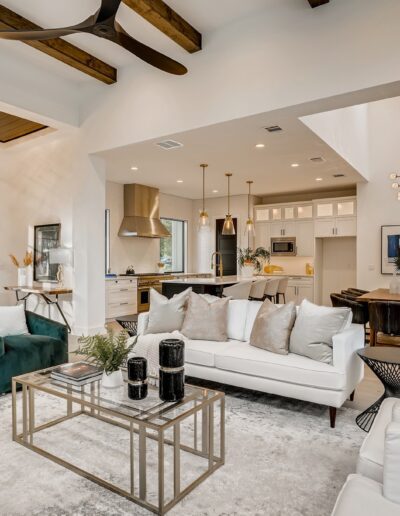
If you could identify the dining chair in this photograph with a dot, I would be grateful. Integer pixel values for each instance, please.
(384, 321)
(282, 288)
(360, 310)
(271, 289)
(257, 289)
(240, 290)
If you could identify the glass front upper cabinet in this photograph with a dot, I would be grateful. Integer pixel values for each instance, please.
(276, 213)
(325, 209)
(346, 208)
(305, 211)
(262, 214)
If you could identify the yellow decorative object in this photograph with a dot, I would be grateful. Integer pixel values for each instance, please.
(309, 269)
(270, 269)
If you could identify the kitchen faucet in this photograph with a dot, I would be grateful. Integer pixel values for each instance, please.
(220, 264)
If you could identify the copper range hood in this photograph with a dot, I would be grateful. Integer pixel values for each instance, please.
(142, 213)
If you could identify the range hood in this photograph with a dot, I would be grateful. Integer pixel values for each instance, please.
(142, 213)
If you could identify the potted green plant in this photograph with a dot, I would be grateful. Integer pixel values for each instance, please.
(251, 260)
(108, 351)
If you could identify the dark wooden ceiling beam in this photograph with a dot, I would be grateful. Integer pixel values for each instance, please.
(317, 3)
(60, 49)
(169, 22)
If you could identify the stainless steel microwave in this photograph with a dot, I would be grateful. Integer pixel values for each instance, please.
(283, 246)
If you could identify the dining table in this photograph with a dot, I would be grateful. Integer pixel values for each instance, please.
(379, 294)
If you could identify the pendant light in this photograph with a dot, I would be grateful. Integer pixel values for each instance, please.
(228, 228)
(249, 229)
(204, 219)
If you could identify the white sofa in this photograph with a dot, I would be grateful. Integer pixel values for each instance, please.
(375, 489)
(237, 363)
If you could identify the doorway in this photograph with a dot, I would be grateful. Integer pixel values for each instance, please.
(227, 246)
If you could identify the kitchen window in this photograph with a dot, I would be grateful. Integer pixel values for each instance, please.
(173, 248)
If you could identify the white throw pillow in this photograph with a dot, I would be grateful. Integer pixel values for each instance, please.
(252, 310)
(166, 315)
(237, 314)
(12, 321)
(391, 463)
(314, 328)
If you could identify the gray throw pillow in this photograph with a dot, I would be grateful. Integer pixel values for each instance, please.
(272, 327)
(314, 328)
(205, 320)
(166, 315)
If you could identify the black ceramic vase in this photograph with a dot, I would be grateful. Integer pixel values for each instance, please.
(137, 378)
(172, 376)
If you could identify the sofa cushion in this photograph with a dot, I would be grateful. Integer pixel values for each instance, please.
(206, 320)
(362, 496)
(202, 352)
(370, 460)
(272, 327)
(252, 310)
(391, 463)
(314, 328)
(241, 357)
(12, 321)
(396, 412)
(237, 316)
(165, 314)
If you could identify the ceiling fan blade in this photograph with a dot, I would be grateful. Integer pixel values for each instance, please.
(146, 53)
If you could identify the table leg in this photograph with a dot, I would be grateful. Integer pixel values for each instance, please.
(372, 337)
(14, 410)
(142, 462)
(366, 418)
(31, 413)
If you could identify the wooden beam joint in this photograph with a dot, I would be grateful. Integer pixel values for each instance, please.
(317, 3)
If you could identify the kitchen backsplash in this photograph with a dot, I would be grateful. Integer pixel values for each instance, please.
(292, 264)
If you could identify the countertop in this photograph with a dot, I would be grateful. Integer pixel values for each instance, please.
(280, 274)
(225, 280)
(136, 276)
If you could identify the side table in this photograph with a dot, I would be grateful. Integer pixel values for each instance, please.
(129, 324)
(385, 363)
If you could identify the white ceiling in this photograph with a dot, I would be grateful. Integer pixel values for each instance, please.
(231, 147)
(204, 15)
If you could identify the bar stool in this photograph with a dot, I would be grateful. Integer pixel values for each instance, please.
(257, 289)
(282, 288)
(271, 289)
(239, 290)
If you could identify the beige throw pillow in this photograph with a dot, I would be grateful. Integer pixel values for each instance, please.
(272, 327)
(204, 320)
(166, 315)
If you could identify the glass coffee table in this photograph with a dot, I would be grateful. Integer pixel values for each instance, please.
(170, 447)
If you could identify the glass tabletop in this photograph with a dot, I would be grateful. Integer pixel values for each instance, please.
(389, 355)
(151, 410)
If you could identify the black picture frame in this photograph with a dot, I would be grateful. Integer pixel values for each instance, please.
(387, 262)
(46, 237)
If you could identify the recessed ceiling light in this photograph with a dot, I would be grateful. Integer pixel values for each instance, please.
(318, 179)
(294, 165)
(260, 145)
(134, 168)
(179, 181)
(215, 191)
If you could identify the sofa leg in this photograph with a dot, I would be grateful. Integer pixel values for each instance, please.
(332, 416)
(352, 395)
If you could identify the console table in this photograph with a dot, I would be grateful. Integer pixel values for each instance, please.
(23, 293)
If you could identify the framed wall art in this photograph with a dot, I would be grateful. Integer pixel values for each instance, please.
(46, 237)
(390, 247)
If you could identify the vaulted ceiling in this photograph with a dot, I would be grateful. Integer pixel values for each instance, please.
(13, 127)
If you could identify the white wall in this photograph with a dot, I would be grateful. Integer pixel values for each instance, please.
(142, 253)
(49, 183)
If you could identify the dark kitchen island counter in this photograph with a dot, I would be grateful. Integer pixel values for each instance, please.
(213, 285)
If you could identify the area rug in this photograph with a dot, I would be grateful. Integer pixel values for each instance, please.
(282, 459)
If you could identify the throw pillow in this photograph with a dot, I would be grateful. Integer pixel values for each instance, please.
(314, 328)
(166, 315)
(272, 327)
(204, 320)
(12, 321)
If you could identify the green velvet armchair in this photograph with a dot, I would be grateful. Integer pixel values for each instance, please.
(46, 345)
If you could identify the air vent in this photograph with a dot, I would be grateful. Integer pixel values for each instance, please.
(169, 144)
(273, 128)
(318, 159)
(339, 175)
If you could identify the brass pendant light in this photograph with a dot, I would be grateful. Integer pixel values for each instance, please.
(250, 228)
(204, 219)
(228, 228)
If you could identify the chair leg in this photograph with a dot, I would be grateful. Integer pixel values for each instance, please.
(352, 395)
(284, 299)
(332, 416)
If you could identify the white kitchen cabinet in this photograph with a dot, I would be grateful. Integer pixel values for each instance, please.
(335, 227)
(324, 227)
(346, 226)
(262, 237)
(300, 288)
(282, 229)
(121, 297)
(304, 233)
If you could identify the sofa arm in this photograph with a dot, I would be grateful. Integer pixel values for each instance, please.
(143, 321)
(2, 348)
(39, 325)
(345, 345)
(391, 463)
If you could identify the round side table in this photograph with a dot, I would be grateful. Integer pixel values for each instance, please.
(129, 324)
(385, 363)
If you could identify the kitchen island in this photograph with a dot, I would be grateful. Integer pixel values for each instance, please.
(211, 285)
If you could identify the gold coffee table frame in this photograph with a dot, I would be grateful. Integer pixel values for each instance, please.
(148, 422)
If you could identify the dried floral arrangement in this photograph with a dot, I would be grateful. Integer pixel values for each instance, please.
(26, 261)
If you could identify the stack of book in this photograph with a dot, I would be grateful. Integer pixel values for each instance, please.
(78, 373)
